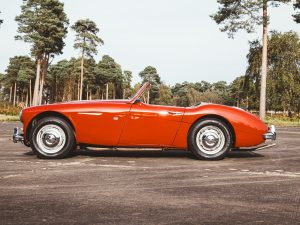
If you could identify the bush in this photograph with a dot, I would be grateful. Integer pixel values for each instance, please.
(8, 109)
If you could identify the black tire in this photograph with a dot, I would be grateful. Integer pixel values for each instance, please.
(210, 139)
(49, 131)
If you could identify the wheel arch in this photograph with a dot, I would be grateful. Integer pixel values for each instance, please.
(223, 119)
(48, 114)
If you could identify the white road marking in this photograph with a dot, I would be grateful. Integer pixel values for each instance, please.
(268, 173)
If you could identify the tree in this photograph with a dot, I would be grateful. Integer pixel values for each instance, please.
(165, 95)
(235, 15)
(127, 83)
(87, 41)
(62, 80)
(149, 74)
(237, 93)
(283, 68)
(18, 77)
(43, 23)
(110, 72)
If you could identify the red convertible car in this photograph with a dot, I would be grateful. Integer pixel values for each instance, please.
(209, 131)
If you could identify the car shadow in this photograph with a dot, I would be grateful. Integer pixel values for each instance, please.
(154, 153)
(243, 154)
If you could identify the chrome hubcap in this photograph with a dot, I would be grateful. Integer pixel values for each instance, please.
(51, 139)
(210, 139)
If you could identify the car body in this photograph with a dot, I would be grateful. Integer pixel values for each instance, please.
(132, 123)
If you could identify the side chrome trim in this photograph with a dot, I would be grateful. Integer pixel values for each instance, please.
(92, 114)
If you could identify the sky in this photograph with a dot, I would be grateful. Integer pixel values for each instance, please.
(177, 37)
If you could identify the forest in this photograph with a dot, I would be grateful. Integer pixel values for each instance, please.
(36, 79)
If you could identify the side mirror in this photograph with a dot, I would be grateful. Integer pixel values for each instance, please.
(137, 101)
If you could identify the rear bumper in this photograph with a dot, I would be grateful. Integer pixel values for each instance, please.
(18, 136)
(271, 135)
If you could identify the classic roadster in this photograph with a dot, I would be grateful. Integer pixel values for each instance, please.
(209, 131)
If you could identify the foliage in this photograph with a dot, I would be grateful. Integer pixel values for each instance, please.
(165, 95)
(283, 68)
(110, 72)
(297, 15)
(43, 23)
(18, 74)
(149, 74)
(234, 15)
(86, 36)
(7, 109)
(87, 41)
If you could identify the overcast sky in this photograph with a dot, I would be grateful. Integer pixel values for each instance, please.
(177, 37)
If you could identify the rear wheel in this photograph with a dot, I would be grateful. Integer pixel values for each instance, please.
(52, 138)
(210, 139)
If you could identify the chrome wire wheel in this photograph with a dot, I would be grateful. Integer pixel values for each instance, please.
(51, 139)
(210, 140)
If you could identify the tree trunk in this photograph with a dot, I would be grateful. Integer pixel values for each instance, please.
(81, 75)
(262, 103)
(148, 97)
(39, 101)
(26, 102)
(124, 91)
(78, 88)
(114, 92)
(30, 94)
(44, 73)
(15, 92)
(87, 92)
(10, 94)
(37, 82)
(107, 91)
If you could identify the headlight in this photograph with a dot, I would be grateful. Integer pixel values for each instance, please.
(20, 116)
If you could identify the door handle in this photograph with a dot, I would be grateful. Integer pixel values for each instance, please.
(174, 113)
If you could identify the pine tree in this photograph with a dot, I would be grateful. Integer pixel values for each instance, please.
(236, 15)
(43, 24)
(87, 41)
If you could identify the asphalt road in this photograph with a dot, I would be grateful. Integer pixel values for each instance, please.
(151, 187)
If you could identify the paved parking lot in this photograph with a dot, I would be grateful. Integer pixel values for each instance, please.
(151, 187)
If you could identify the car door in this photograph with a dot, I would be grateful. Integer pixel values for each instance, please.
(101, 124)
(151, 125)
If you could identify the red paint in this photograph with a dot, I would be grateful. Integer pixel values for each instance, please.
(128, 123)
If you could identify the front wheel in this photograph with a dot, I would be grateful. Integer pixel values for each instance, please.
(52, 138)
(210, 139)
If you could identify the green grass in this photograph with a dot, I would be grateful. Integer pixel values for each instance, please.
(283, 121)
(5, 118)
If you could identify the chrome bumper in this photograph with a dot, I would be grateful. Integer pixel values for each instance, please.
(17, 136)
(271, 135)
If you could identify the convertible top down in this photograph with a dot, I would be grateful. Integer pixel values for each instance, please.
(208, 130)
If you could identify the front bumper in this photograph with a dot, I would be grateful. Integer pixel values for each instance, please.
(271, 135)
(18, 136)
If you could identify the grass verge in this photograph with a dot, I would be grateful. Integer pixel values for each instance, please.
(5, 118)
(283, 121)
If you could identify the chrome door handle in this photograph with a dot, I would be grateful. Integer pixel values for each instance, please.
(174, 113)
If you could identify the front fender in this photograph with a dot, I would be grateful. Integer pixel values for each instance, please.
(248, 128)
